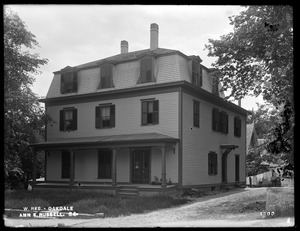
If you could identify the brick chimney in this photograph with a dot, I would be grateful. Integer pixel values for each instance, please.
(153, 36)
(124, 47)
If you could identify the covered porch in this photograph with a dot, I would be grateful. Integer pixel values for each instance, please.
(134, 161)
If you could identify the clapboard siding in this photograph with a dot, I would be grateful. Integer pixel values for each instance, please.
(128, 118)
(198, 142)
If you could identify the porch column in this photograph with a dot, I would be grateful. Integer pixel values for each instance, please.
(72, 167)
(34, 168)
(114, 167)
(163, 167)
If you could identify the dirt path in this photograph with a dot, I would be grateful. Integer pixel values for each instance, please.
(238, 207)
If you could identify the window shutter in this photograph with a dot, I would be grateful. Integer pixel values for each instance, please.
(74, 122)
(100, 118)
(155, 111)
(97, 117)
(144, 112)
(209, 163)
(215, 163)
(112, 116)
(239, 127)
(61, 120)
(143, 70)
(62, 83)
(215, 119)
(74, 81)
(226, 123)
(200, 75)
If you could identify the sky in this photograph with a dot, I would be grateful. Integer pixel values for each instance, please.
(70, 35)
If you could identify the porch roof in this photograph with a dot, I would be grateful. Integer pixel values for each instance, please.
(115, 140)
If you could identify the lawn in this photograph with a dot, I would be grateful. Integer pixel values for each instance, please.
(89, 202)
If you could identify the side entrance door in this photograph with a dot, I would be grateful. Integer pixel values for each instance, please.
(141, 166)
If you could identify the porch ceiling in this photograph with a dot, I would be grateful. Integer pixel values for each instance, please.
(116, 140)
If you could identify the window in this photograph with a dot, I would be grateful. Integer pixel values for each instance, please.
(105, 116)
(215, 120)
(68, 119)
(149, 112)
(104, 163)
(68, 82)
(196, 74)
(196, 113)
(212, 163)
(219, 121)
(215, 82)
(65, 164)
(237, 126)
(223, 122)
(146, 70)
(106, 76)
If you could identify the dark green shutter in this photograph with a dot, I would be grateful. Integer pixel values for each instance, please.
(97, 117)
(216, 163)
(144, 112)
(200, 76)
(61, 120)
(209, 163)
(74, 122)
(226, 123)
(62, 83)
(100, 118)
(112, 116)
(74, 81)
(155, 112)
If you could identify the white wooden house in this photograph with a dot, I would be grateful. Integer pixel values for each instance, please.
(138, 117)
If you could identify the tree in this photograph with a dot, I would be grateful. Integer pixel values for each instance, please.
(24, 119)
(257, 58)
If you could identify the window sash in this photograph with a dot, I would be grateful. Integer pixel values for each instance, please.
(68, 82)
(105, 116)
(150, 112)
(146, 70)
(68, 119)
(106, 77)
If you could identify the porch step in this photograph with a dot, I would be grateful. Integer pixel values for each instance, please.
(128, 191)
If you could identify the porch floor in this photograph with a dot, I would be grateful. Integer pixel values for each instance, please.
(99, 185)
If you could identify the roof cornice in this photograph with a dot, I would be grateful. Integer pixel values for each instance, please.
(146, 90)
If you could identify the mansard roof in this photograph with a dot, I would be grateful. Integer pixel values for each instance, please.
(127, 57)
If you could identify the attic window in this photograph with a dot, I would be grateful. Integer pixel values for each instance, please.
(146, 70)
(196, 74)
(106, 76)
(68, 82)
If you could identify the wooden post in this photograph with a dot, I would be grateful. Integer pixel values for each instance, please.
(114, 167)
(34, 168)
(163, 167)
(72, 167)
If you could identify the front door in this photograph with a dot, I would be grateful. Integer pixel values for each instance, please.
(141, 166)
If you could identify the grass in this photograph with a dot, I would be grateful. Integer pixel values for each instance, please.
(89, 202)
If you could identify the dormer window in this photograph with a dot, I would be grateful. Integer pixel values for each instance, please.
(196, 73)
(215, 85)
(146, 70)
(68, 82)
(106, 76)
